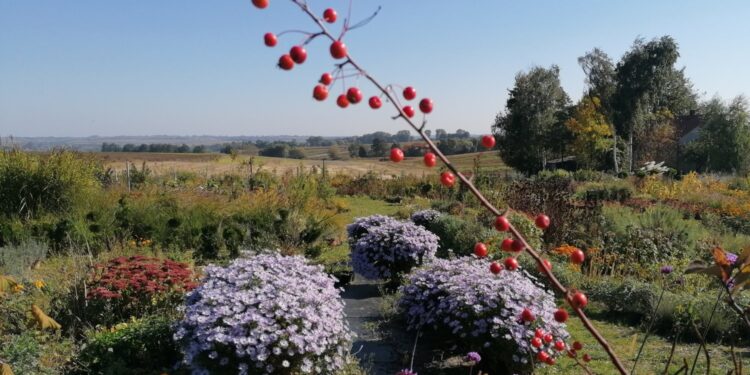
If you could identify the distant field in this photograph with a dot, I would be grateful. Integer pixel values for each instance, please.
(218, 163)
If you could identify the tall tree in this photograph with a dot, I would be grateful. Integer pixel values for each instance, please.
(526, 128)
(378, 147)
(648, 83)
(601, 83)
(723, 143)
(591, 131)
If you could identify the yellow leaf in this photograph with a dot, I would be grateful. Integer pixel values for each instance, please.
(7, 284)
(5, 369)
(43, 319)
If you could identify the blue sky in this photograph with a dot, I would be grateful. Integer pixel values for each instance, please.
(78, 68)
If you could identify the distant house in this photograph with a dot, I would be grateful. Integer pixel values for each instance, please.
(688, 127)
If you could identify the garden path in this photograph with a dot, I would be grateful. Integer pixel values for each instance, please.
(374, 350)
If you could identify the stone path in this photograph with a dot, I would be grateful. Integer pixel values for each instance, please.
(375, 352)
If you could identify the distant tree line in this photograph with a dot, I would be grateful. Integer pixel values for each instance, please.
(153, 147)
(631, 112)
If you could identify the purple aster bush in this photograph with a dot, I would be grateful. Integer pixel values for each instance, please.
(392, 249)
(461, 300)
(425, 217)
(362, 225)
(266, 314)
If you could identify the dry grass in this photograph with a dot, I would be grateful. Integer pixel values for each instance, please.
(213, 164)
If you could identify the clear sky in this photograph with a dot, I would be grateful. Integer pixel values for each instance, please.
(189, 67)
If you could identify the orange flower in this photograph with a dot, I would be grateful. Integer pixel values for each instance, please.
(565, 250)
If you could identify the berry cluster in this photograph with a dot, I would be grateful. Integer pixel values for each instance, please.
(353, 95)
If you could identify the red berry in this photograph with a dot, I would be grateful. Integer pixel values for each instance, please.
(548, 338)
(260, 3)
(342, 101)
(572, 353)
(545, 266)
(299, 55)
(410, 93)
(326, 79)
(561, 315)
(580, 300)
(539, 333)
(488, 141)
(354, 95)
(495, 268)
(408, 111)
(527, 315)
(559, 345)
(430, 160)
(586, 358)
(577, 256)
(511, 264)
(286, 62)
(320, 92)
(329, 15)
(542, 221)
(425, 105)
(270, 39)
(447, 179)
(536, 342)
(338, 49)
(577, 345)
(517, 246)
(396, 155)
(550, 361)
(375, 102)
(502, 224)
(507, 244)
(542, 356)
(480, 250)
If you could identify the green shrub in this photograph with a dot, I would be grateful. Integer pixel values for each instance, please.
(33, 184)
(619, 191)
(457, 235)
(15, 260)
(35, 353)
(143, 346)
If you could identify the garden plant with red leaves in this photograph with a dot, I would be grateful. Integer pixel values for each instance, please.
(127, 287)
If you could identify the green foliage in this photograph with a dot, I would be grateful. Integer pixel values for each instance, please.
(617, 190)
(457, 235)
(530, 130)
(143, 346)
(23, 353)
(34, 184)
(723, 144)
(15, 260)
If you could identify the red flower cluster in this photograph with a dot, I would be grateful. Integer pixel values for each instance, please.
(139, 278)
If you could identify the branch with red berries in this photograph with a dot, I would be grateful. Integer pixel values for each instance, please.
(353, 95)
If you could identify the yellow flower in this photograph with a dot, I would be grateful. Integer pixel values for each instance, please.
(39, 284)
(18, 288)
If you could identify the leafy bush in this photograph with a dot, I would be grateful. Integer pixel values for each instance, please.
(619, 191)
(144, 346)
(33, 184)
(392, 249)
(14, 260)
(133, 286)
(456, 235)
(425, 217)
(291, 320)
(481, 313)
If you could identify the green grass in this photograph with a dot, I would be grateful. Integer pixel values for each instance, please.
(358, 207)
(625, 341)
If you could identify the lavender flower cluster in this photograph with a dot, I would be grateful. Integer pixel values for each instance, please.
(362, 225)
(424, 217)
(268, 314)
(459, 297)
(384, 248)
